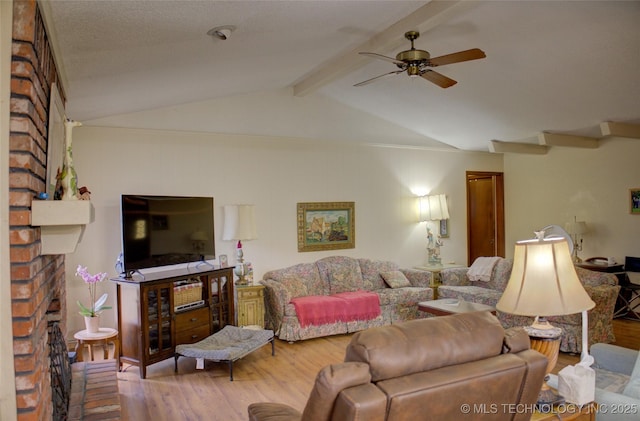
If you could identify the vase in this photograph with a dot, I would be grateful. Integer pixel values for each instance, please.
(92, 324)
(68, 176)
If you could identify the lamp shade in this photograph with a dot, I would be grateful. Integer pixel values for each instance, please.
(576, 227)
(433, 208)
(239, 222)
(543, 281)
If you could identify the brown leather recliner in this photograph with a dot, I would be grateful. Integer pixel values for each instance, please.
(444, 368)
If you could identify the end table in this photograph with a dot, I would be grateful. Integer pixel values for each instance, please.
(104, 336)
(435, 274)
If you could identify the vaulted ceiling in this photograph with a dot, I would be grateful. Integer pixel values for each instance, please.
(561, 67)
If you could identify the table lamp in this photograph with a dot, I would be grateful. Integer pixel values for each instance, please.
(433, 208)
(576, 229)
(544, 283)
(239, 225)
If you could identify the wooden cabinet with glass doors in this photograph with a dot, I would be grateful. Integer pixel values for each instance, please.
(161, 310)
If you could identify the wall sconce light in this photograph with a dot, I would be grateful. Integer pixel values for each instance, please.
(433, 208)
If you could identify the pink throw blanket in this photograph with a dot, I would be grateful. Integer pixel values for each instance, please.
(344, 307)
(360, 305)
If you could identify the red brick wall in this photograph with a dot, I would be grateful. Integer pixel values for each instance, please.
(37, 282)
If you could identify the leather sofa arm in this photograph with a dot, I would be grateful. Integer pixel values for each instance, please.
(364, 402)
(330, 382)
(516, 339)
(267, 411)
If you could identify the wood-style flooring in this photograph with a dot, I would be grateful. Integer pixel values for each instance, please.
(194, 395)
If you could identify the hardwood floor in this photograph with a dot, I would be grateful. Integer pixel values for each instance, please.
(287, 377)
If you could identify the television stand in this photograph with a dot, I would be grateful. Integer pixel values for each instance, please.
(151, 327)
(203, 262)
(129, 274)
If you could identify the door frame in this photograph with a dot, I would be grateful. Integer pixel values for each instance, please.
(498, 205)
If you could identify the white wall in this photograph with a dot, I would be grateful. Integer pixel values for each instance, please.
(591, 184)
(274, 174)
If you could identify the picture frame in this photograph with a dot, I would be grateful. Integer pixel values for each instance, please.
(444, 228)
(55, 142)
(634, 201)
(326, 226)
(224, 263)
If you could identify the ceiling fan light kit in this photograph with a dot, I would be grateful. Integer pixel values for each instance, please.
(418, 62)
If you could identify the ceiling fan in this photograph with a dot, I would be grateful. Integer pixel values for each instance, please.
(418, 62)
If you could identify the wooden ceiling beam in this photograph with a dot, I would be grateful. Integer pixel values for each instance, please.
(612, 128)
(572, 141)
(497, 146)
(423, 19)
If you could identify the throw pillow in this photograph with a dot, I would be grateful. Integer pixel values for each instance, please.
(395, 279)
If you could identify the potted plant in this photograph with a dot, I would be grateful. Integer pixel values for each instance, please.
(91, 314)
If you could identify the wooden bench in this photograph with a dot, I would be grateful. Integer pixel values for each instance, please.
(94, 391)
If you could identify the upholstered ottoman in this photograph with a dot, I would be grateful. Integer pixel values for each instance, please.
(228, 345)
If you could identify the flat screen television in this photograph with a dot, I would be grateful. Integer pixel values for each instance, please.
(165, 230)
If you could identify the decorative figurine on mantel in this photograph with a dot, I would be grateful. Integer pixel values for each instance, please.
(433, 248)
(84, 193)
(68, 176)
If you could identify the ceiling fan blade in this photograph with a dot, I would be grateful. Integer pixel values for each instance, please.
(439, 79)
(385, 58)
(373, 79)
(473, 54)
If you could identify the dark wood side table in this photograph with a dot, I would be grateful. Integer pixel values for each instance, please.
(602, 267)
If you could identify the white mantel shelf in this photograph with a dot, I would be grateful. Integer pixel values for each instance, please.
(62, 223)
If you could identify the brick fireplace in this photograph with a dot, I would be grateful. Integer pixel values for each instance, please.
(38, 292)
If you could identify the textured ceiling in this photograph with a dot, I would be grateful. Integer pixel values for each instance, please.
(550, 66)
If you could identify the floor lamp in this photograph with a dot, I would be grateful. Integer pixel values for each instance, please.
(544, 283)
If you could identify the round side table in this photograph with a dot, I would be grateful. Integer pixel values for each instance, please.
(102, 337)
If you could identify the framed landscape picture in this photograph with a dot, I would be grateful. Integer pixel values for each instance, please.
(326, 226)
(634, 198)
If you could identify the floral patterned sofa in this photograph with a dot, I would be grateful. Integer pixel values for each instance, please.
(602, 288)
(340, 274)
